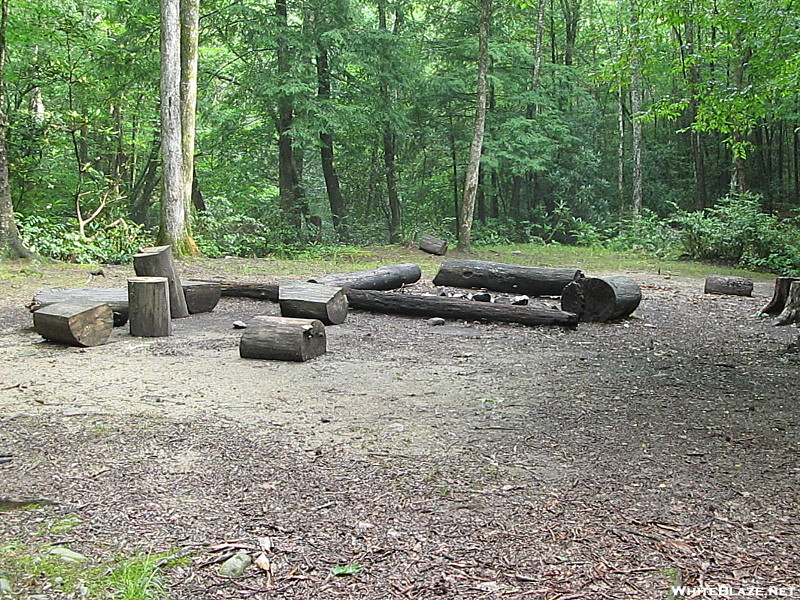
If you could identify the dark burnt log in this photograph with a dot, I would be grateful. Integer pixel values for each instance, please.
(313, 301)
(779, 296)
(433, 245)
(499, 277)
(116, 298)
(601, 299)
(455, 308)
(77, 323)
(149, 306)
(157, 262)
(201, 296)
(729, 285)
(791, 310)
(282, 338)
(390, 277)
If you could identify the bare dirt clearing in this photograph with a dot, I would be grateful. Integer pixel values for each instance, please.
(461, 461)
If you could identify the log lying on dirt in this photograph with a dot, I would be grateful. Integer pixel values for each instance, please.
(281, 338)
(730, 285)
(257, 291)
(499, 277)
(432, 245)
(149, 306)
(779, 296)
(201, 296)
(116, 298)
(77, 323)
(791, 310)
(313, 301)
(456, 308)
(601, 299)
(157, 262)
(389, 277)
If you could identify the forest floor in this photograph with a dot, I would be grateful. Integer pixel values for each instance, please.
(468, 460)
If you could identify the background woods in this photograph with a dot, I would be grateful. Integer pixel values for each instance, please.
(663, 125)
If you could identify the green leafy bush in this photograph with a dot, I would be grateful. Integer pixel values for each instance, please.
(58, 238)
(649, 234)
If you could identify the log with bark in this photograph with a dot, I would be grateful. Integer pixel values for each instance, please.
(116, 298)
(432, 245)
(390, 277)
(282, 338)
(499, 277)
(313, 301)
(601, 299)
(149, 306)
(779, 296)
(791, 309)
(456, 308)
(201, 296)
(728, 284)
(75, 322)
(157, 262)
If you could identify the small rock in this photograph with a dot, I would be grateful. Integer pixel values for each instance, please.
(482, 297)
(520, 300)
(5, 587)
(239, 325)
(236, 565)
(435, 321)
(67, 555)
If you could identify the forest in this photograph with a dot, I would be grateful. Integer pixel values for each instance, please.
(654, 125)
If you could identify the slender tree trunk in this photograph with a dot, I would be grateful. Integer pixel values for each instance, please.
(389, 146)
(739, 165)
(572, 12)
(476, 149)
(189, 43)
(11, 245)
(636, 107)
(174, 218)
(454, 174)
(335, 197)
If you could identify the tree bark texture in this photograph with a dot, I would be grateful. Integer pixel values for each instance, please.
(189, 40)
(75, 323)
(389, 277)
(455, 308)
(313, 301)
(779, 296)
(433, 245)
(335, 198)
(601, 299)
(723, 284)
(636, 107)
(791, 310)
(115, 298)
(149, 307)
(281, 338)
(500, 277)
(201, 296)
(476, 149)
(157, 262)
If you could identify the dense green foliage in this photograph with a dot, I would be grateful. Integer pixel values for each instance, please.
(721, 147)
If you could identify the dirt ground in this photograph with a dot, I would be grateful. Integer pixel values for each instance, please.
(468, 460)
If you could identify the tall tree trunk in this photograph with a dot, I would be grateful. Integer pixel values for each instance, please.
(739, 165)
(11, 245)
(389, 145)
(288, 178)
(454, 174)
(335, 197)
(189, 41)
(636, 107)
(174, 229)
(572, 13)
(476, 149)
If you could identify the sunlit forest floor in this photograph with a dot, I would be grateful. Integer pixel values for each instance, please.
(469, 460)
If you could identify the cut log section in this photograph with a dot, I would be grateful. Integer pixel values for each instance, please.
(791, 310)
(432, 245)
(149, 306)
(313, 301)
(389, 277)
(601, 299)
(779, 296)
(456, 308)
(499, 277)
(282, 338)
(201, 296)
(77, 323)
(730, 285)
(116, 298)
(157, 262)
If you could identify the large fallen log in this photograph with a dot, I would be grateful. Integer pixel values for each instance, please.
(601, 299)
(116, 298)
(500, 277)
(390, 277)
(729, 285)
(77, 323)
(456, 308)
(282, 338)
(313, 301)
